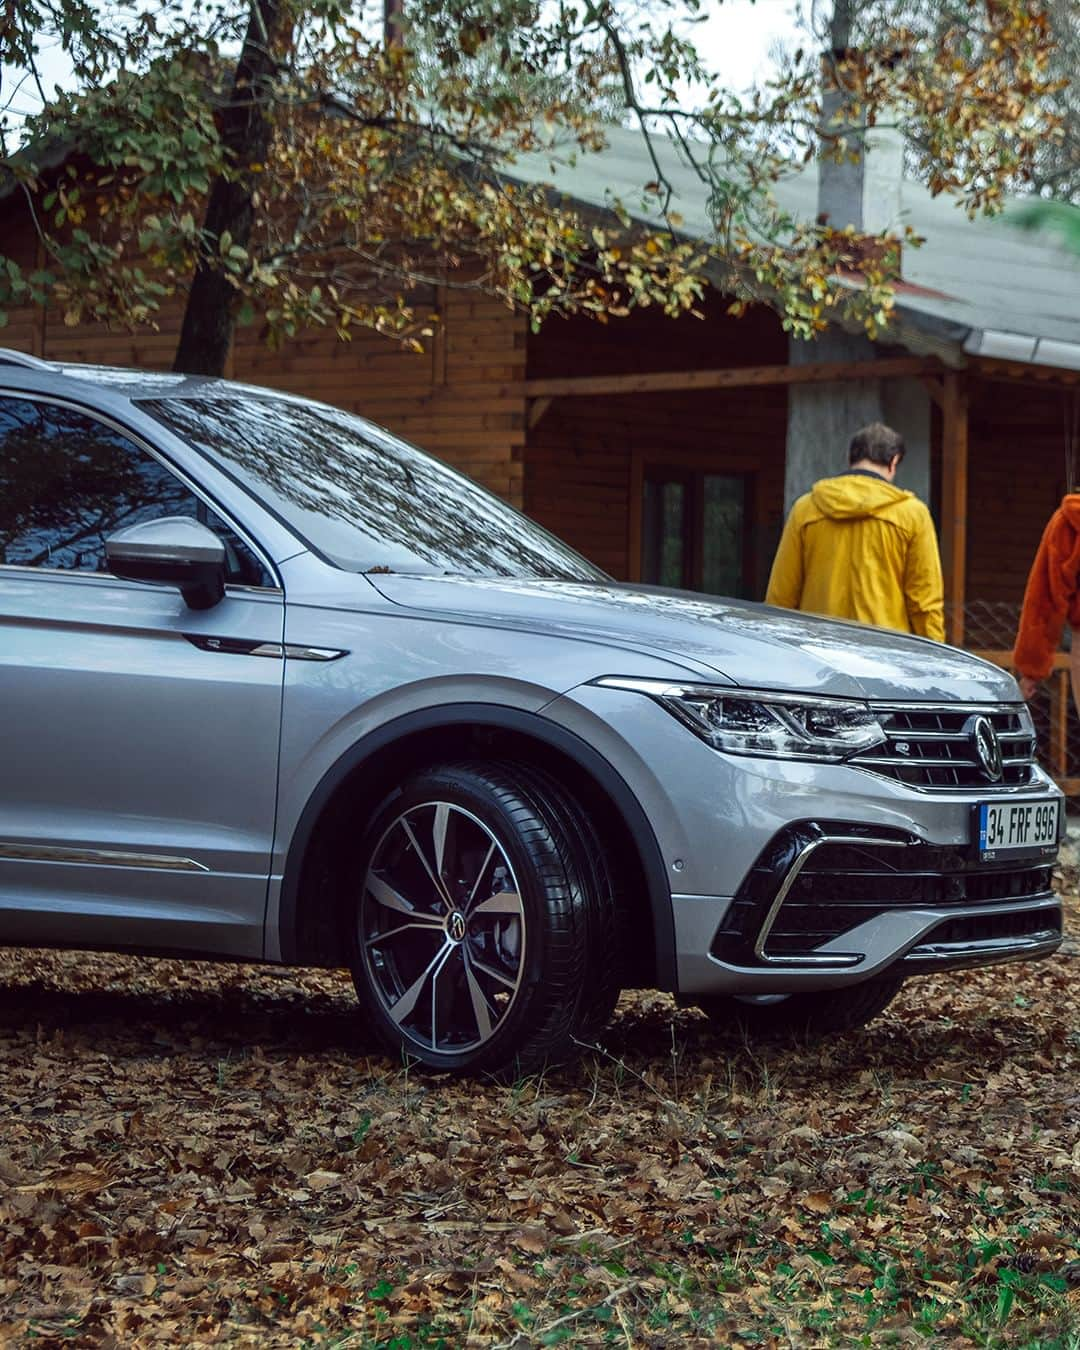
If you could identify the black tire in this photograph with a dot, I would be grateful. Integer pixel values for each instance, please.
(587, 857)
(508, 920)
(823, 1012)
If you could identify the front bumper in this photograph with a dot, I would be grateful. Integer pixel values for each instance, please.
(830, 899)
(793, 876)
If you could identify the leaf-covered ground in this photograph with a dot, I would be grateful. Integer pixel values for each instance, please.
(202, 1155)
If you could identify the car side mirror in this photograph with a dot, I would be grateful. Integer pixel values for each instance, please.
(172, 551)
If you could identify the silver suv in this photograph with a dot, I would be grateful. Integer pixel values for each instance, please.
(277, 686)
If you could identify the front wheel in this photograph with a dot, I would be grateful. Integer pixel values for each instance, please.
(470, 936)
(819, 1013)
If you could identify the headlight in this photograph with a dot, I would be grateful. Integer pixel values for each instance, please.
(781, 726)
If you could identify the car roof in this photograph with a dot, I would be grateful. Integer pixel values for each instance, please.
(124, 382)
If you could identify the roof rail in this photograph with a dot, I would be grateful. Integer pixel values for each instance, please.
(10, 357)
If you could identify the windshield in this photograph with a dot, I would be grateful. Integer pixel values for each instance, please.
(358, 496)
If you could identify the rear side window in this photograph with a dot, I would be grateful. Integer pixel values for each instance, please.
(68, 481)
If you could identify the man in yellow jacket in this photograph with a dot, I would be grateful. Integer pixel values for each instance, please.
(856, 547)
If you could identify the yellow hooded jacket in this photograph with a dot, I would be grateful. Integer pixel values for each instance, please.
(856, 547)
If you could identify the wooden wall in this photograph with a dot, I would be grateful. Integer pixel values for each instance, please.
(25, 328)
(1016, 477)
(584, 455)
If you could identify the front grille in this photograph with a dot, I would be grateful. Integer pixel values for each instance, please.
(844, 884)
(934, 746)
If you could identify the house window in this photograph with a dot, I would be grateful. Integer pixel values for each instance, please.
(693, 530)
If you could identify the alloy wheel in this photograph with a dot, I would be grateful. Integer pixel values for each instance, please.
(442, 928)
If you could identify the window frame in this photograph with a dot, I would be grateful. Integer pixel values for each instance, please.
(691, 468)
(197, 490)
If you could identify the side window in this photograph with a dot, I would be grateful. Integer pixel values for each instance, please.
(68, 481)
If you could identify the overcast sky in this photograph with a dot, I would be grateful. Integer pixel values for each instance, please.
(739, 35)
(736, 41)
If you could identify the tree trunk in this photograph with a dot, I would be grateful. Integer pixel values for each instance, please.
(392, 16)
(840, 181)
(246, 129)
(843, 20)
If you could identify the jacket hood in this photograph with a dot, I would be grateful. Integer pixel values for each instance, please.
(755, 646)
(852, 495)
(1070, 509)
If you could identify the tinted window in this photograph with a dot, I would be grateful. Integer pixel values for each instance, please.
(68, 481)
(359, 496)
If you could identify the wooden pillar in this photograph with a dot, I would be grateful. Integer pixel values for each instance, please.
(439, 337)
(37, 329)
(1060, 702)
(954, 501)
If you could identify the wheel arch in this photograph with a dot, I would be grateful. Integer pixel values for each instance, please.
(310, 908)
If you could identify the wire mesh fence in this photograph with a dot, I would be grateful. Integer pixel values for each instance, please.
(990, 631)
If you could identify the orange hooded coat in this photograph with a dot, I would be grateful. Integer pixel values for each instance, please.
(1053, 592)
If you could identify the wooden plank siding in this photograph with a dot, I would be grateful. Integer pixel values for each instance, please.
(585, 454)
(1016, 478)
(23, 330)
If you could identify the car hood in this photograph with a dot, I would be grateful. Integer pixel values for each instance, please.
(754, 646)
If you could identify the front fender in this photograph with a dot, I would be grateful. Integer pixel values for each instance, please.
(283, 919)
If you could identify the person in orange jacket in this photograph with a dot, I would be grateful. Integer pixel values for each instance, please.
(857, 547)
(1051, 597)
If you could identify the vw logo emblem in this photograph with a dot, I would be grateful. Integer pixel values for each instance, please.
(987, 748)
(455, 926)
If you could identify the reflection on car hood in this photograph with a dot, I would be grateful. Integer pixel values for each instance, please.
(751, 645)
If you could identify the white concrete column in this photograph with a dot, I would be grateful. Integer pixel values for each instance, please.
(905, 406)
(823, 417)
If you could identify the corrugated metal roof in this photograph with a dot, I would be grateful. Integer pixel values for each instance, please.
(973, 277)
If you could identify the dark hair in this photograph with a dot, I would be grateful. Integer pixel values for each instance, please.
(877, 443)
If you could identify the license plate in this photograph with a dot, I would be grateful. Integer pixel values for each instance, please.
(1017, 829)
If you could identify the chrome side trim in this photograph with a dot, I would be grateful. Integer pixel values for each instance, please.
(276, 651)
(840, 959)
(295, 653)
(98, 857)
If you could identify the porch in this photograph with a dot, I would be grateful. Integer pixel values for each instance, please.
(659, 451)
